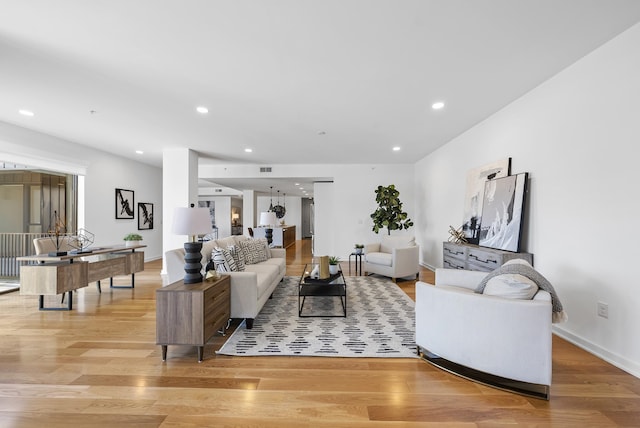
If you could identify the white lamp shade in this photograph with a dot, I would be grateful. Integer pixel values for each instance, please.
(191, 221)
(268, 218)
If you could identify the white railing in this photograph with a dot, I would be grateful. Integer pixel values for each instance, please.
(13, 245)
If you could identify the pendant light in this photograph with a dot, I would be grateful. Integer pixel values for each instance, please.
(271, 198)
(279, 209)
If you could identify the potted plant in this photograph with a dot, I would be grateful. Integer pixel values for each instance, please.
(389, 213)
(132, 239)
(333, 264)
(359, 248)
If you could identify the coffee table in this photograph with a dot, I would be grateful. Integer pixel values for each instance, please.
(334, 286)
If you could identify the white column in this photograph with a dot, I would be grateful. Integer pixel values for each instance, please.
(325, 219)
(248, 210)
(179, 189)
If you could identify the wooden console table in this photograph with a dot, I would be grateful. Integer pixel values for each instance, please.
(54, 275)
(190, 314)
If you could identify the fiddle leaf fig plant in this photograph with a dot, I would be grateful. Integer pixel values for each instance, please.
(389, 213)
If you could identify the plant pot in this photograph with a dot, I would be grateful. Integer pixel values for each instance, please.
(131, 243)
(359, 250)
(333, 269)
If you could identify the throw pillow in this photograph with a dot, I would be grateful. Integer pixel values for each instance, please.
(223, 260)
(512, 285)
(263, 246)
(238, 256)
(254, 250)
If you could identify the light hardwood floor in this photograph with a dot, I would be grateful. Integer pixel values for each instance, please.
(99, 366)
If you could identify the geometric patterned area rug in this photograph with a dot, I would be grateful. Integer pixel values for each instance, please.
(380, 322)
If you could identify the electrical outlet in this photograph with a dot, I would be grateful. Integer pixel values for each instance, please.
(603, 310)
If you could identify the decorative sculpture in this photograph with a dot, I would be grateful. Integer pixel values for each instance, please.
(57, 234)
(457, 235)
(81, 241)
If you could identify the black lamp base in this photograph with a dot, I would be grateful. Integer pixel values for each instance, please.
(192, 262)
(268, 233)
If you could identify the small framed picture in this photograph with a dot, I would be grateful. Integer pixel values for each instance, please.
(145, 216)
(124, 204)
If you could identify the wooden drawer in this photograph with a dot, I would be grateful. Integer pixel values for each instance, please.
(452, 263)
(215, 320)
(218, 296)
(454, 251)
(483, 259)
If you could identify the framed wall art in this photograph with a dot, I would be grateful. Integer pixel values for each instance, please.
(473, 198)
(145, 216)
(503, 211)
(124, 204)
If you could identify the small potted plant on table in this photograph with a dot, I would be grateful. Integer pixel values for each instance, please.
(333, 264)
(132, 239)
(359, 248)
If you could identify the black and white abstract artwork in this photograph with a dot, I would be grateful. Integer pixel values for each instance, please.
(502, 212)
(473, 198)
(145, 216)
(124, 204)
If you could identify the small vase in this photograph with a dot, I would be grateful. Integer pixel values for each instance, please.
(131, 243)
(358, 250)
(333, 269)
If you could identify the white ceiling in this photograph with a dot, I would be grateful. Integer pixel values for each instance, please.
(297, 81)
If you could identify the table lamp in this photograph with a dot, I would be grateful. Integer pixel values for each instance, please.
(268, 219)
(192, 222)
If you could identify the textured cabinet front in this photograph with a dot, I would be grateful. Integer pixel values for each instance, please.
(473, 257)
(191, 314)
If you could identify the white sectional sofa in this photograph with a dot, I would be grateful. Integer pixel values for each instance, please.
(250, 289)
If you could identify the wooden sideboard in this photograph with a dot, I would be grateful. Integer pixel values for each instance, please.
(190, 314)
(51, 275)
(474, 257)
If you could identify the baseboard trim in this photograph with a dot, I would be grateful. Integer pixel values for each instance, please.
(616, 360)
(426, 266)
(523, 388)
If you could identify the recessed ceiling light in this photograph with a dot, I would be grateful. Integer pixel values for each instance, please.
(296, 184)
(25, 112)
(396, 149)
(437, 106)
(248, 150)
(140, 152)
(202, 110)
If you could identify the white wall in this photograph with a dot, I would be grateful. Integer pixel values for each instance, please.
(106, 173)
(103, 174)
(577, 136)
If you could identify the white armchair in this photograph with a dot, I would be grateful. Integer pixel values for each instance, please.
(394, 256)
(494, 340)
